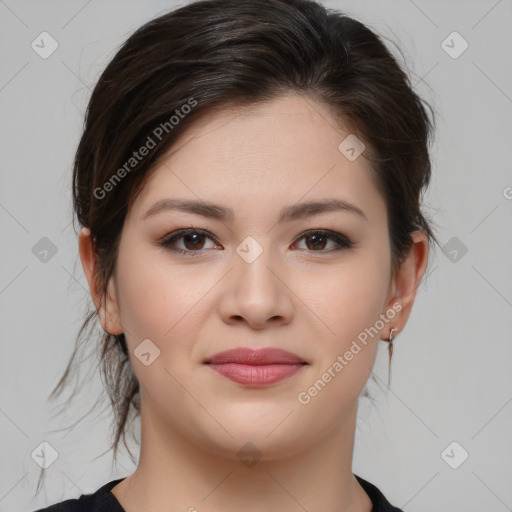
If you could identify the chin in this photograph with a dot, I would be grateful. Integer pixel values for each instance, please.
(258, 435)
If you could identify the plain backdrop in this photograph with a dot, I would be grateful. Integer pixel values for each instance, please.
(451, 391)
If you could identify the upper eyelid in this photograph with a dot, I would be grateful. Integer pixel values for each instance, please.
(184, 231)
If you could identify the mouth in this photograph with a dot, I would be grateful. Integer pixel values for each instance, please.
(256, 368)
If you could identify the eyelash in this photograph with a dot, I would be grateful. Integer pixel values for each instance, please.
(343, 242)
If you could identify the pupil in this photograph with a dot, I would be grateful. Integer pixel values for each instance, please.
(318, 240)
(195, 238)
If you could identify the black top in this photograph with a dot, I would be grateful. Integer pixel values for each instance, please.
(104, 501)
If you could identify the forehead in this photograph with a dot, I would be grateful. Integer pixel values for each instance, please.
(278, 152)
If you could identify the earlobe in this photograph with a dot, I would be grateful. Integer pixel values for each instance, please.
(110, 310)
(107, 307)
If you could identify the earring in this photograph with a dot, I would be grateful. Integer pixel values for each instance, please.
(390, 343)
(390, 348)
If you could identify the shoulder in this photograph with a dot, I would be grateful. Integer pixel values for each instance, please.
(100, 501)
(379, 502)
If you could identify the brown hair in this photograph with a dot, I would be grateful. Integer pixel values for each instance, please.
(214, 54)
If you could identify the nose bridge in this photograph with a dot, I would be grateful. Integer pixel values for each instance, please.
(254, 292)
(253, 260)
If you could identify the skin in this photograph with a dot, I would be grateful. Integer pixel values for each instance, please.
(307, 300)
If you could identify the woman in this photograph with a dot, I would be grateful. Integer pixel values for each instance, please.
(248, 185)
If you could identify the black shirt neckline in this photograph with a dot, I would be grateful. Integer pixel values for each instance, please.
(379, 502)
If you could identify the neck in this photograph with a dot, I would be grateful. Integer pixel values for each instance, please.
(174, 474)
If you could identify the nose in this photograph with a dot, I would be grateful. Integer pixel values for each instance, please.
(257, 291)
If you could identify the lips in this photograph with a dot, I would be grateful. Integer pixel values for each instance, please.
(256, 368)
(255, 357)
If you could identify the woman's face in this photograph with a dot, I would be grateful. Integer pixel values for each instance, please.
(249, 278)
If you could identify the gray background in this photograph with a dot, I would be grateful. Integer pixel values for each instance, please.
(452, 368)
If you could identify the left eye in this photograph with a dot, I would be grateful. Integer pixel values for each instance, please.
(319, 237)
(193, 241)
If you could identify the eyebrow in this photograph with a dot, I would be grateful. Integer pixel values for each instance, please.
(289, 213)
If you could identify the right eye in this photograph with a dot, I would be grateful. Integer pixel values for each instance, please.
(192, 240)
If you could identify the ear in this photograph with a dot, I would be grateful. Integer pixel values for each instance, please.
(107, 307)
(405, 284)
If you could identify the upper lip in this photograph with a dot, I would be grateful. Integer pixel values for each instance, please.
(251, 356)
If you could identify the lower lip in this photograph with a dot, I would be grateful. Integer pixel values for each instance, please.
(256, 375)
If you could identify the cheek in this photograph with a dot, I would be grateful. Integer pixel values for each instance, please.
(347, 299)
(161, 302)
(347, 304)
